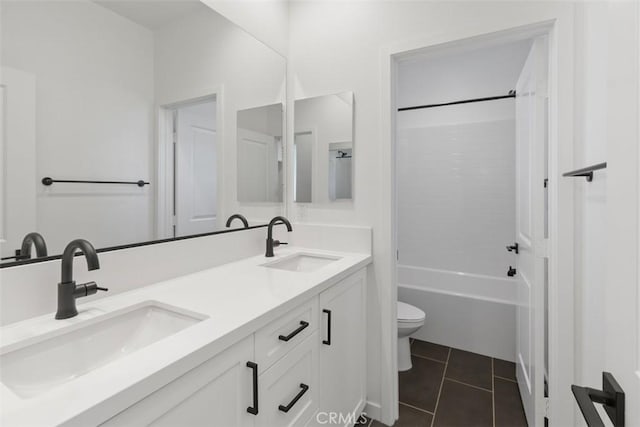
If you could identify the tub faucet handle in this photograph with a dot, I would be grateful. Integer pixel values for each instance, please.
(511, 272)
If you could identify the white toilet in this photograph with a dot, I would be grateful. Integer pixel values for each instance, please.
(410, 319)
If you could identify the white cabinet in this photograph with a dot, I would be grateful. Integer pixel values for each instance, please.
(215, 393)
(289, 389)
(343, 351)
(307, 364)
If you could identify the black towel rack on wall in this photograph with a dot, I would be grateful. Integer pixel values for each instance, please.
(586, 172)
(48, 181)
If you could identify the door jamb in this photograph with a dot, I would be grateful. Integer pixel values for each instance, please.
(560, 251)
(165, 156)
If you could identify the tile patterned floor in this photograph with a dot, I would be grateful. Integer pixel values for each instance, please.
(448, 387)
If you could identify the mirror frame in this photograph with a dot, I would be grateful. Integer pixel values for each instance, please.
(129, 246)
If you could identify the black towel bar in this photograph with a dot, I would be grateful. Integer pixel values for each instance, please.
(587, 172)
(48, 181)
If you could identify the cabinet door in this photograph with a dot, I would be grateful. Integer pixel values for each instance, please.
(342, 349)
(216, 393)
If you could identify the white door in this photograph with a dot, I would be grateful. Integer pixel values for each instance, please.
(622, 292)
(257, 162)
(17, 158)
(530, 164)
(196, 175)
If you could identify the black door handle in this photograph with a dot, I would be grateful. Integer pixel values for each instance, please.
(514, 248)
(286, 338)
(611, 396)
(511, 272)
(301, 393)
(254, 409)
(328, 340)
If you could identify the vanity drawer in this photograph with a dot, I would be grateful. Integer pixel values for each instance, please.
(289, 389)
(284, 333)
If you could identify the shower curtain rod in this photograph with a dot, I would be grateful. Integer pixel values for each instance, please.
(512, 94)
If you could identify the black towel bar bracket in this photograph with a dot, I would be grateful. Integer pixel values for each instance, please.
(586, 172)
(48, 181)
(611, 396)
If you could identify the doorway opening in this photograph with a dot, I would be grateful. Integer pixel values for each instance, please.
(189, 168)
(472, 222)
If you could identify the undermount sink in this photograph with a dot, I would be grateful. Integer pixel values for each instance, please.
(61, 356)
(302, 262)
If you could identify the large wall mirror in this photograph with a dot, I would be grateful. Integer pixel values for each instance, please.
(127, 122)
(323, 149)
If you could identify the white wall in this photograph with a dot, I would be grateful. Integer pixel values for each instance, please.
(204, 53)
(336, 46)
(94, 116)
(267, 20)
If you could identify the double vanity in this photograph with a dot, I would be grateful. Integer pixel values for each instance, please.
(260, 341)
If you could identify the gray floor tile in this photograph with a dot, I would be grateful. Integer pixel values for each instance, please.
(509, 410)
(504, 369)
(409, 417)
(469, 368)
(461, 405)
(430, 350)
(419, 386)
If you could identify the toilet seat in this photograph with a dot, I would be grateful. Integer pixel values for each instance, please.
(409, 314)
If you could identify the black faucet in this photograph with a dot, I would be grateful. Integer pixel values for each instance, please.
(240, 217)
(275, 243)
(37, 241)
(68, 291)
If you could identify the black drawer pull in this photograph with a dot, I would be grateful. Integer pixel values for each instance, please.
(254, 409)
(287, 408)
(302, 326)
(328, 340)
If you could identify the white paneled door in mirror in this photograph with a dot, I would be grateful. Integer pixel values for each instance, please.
(121, 91)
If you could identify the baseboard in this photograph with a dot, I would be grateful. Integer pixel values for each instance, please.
(373, 410)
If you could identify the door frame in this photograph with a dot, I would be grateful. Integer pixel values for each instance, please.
(561, 203)
(165, 191)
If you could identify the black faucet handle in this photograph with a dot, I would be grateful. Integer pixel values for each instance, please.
(91, 288)
(277, 243)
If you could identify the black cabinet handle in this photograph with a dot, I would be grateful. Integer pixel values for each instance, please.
(611, 396)
(254, 409)
(328, 340)
(286, 338)
(301, 393)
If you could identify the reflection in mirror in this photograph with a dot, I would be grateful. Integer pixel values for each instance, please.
(119, 121)
(260, 149)
(323, 148)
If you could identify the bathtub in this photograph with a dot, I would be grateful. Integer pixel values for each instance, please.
(471, 312)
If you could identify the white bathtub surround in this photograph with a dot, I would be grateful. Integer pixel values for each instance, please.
(237, 298)
(466, 311)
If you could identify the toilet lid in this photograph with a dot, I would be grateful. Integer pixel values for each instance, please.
(409, 312)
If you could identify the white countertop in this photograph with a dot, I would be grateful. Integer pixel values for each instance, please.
(238, 299)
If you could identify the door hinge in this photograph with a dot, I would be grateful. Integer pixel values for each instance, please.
(546, 182)
(546, 406)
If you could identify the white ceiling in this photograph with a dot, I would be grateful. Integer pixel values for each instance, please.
(153, 14)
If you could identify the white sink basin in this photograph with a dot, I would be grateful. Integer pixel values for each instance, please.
(302, 262)
(60, 356)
